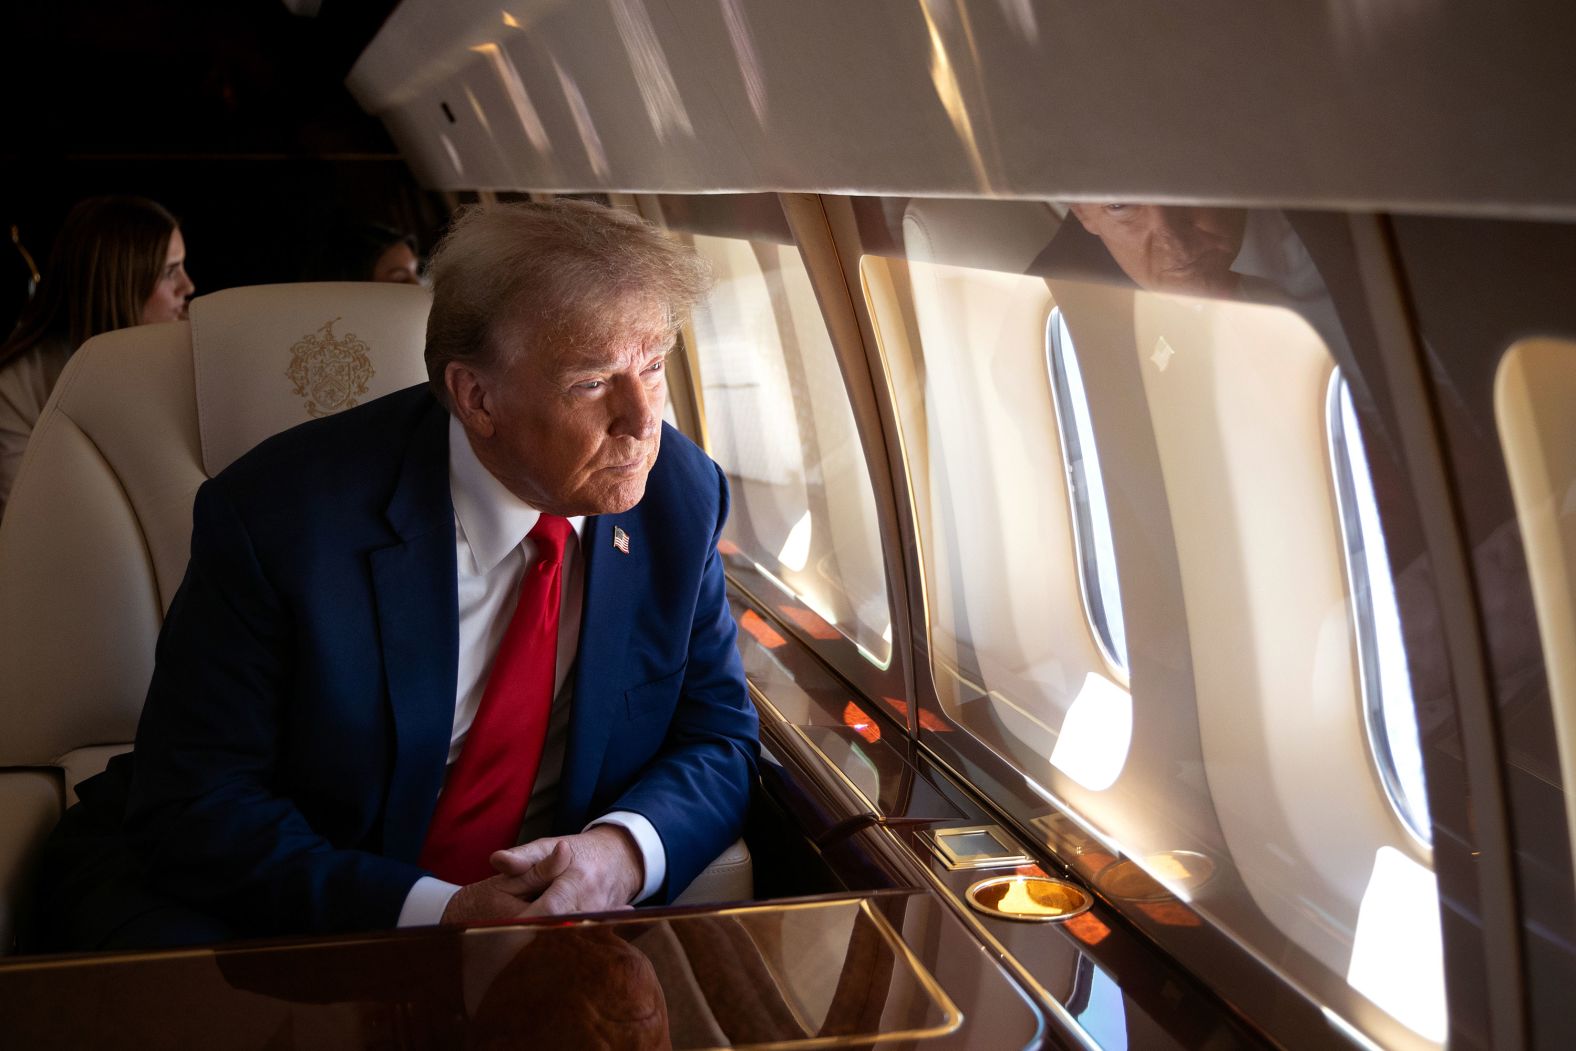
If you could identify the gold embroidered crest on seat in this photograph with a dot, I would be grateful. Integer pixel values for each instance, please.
(329, 372)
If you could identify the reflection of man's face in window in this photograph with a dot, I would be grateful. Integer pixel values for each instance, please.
(1170, 249)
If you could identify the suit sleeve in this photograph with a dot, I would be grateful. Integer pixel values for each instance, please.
(697, 790)
(202, 815)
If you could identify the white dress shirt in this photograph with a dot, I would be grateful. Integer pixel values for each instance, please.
(492, 551)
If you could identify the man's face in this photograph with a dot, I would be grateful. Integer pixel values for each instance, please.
(575, 429)
(1170, 249)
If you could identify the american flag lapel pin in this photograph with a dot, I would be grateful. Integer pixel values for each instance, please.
(621, 540)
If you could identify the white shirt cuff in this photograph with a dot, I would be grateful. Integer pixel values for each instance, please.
(652, 854)
(425, 903)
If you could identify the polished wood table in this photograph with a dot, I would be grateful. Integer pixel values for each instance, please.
(890, 969)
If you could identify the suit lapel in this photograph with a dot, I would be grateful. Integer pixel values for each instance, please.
(418, 620)
(606, 623)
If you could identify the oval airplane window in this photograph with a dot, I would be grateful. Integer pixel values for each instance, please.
(1388, 708)
(1097, 575)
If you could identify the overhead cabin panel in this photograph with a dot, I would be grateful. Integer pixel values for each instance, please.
(1148, 100)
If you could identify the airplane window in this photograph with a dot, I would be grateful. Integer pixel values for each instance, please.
(1156, 640)
(1086, 488)
(780, 424)
(1391, 717)
(1010, 645)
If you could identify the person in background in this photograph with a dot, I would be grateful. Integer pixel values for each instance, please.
(366, 252)
(1252, 255)
(118, 261)
(1165, 248)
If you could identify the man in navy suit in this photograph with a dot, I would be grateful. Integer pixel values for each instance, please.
(325, 665)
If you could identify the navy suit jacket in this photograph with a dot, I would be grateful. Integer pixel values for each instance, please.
(294, 739)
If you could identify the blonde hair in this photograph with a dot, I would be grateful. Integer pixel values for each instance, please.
(509, 277)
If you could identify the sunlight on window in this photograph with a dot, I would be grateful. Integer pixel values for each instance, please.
(1397, 953)
(1092, 747)
(796, 549)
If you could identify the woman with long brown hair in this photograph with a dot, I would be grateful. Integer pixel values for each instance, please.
(118, 261)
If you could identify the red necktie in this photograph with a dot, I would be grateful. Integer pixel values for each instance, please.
(484, 797)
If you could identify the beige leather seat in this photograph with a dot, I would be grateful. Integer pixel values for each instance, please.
(96, 536)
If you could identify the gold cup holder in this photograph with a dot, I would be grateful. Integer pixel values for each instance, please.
(1029, 899)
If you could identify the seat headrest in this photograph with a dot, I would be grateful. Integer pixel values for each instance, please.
(269, 357)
